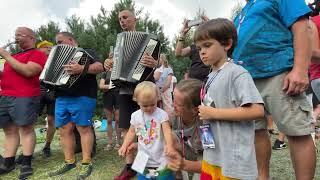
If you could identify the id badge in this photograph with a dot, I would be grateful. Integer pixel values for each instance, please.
(140, 162)
(207, 138)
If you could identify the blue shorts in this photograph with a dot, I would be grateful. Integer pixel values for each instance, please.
(78, 110)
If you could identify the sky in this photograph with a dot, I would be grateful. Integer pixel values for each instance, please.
(170, 13)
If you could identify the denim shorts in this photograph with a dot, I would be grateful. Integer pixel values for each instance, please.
(78, 110)
(18, 110)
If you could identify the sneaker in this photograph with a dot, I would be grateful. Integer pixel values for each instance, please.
(25, 171)
(4, 169)
(62, 169)
(85, 171)
(126, 173)
(46, 152)
(278, 145)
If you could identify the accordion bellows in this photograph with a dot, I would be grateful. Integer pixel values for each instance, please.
(128, 52)
(54, 74)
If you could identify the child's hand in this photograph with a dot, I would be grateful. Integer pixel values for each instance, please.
(169, 150)
(132, 148)
(205, 112)
(122, 151)
(175, 162)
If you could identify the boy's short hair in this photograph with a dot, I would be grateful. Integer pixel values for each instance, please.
(220, 29)
(146, 89)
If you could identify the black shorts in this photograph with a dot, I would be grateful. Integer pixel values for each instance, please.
(126, 107)
(111, 99)
(18, 110)
(47, 100)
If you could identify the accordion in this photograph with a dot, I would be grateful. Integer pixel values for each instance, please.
(128, 52)
(54, 74)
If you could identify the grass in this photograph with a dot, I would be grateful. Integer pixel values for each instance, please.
(107, 163)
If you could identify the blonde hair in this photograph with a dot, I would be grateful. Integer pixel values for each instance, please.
(165, 60)
(145, 89)
(190, 88)
(44, 43)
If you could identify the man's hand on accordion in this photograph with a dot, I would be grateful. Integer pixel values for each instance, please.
(73, 68)
(149, 61)
(108, 63)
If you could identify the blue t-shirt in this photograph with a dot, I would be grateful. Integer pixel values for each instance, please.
(265, 41)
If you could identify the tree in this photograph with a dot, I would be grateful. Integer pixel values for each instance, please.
(48, 32)
(181, 64)
(236, 10)
(101, 31)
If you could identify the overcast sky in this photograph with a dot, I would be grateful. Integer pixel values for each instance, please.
(170, 13)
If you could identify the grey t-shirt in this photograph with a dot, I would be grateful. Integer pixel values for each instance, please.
(192, 143)
(234, 151)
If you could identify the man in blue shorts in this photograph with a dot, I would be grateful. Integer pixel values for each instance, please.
(75, 108)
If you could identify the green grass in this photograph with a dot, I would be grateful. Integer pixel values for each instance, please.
(107, 163)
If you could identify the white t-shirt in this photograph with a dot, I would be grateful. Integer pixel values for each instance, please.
(150, 136)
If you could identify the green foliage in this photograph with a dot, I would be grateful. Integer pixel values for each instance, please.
(47, 32)
(236, 10)
(101, 32)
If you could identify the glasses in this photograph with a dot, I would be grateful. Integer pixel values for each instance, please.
(21, 35)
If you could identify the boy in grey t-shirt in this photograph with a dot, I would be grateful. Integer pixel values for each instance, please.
(230, 103)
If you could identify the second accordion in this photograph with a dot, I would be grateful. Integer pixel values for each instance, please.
(54, 74)
(128, 53)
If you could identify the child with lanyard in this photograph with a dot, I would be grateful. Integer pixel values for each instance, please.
(186, 124)
(151, 125)
(230, 103)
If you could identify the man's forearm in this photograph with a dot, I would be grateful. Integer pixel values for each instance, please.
(179, 48)
(302, 45)
(95, 68)
(21, 68)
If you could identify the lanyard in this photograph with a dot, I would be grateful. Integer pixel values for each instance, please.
(204, 89)
(183, 138)
(145, 126)
(243, 15)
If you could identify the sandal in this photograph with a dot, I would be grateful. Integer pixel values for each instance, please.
(108, 147)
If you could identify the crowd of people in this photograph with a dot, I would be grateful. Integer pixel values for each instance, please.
(245, 77)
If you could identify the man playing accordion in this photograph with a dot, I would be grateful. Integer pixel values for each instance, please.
(75, 108)
(127, 106)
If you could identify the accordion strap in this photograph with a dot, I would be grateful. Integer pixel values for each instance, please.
(85, 69)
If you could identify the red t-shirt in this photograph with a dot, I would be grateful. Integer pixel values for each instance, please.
(315, 68)
(17, 85)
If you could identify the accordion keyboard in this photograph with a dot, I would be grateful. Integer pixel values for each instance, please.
(140, 68)
(54, 73)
